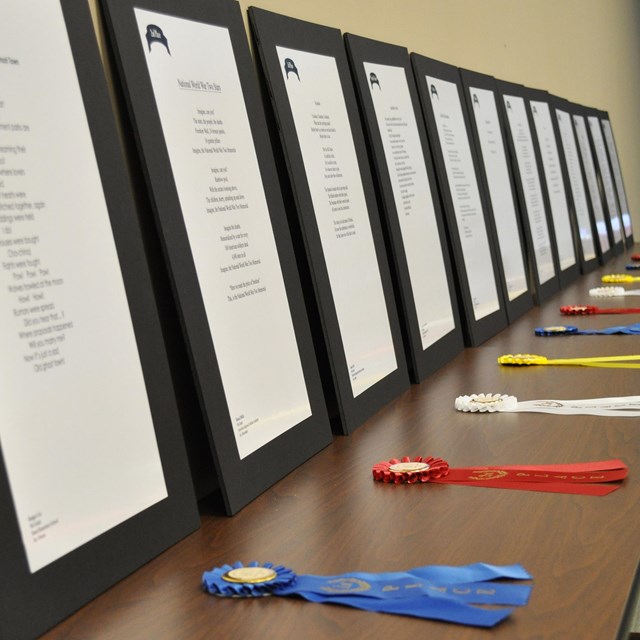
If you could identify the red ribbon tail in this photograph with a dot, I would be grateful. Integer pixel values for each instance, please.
(579, 478)
(547, 487)
(575, 467)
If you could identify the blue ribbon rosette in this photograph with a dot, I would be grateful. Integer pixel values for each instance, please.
(446, 593)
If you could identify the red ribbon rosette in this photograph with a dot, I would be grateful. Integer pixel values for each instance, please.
(578, 310)
(410, 470)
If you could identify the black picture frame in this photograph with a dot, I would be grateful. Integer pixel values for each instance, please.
(554, 181)
(605, 180)
(600, 217)
(573, 170)
(495, 187)
(422, 361)
(237, 477)
(535, 222)
(614, 160)
(476, 330)
(31, 603)
(271, 30)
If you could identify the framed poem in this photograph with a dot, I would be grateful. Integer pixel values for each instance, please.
(495, 171)
(546, 138)
(408, 194)
(534, 205)
(612, 208)
(614, 159)
(576, 189)
(470, 226)
(335, 218)
(603, 236)
(94, 479)
(203, 144)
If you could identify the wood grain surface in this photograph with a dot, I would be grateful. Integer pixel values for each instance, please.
(329, 516)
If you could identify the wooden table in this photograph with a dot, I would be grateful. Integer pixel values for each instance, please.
(329, 516)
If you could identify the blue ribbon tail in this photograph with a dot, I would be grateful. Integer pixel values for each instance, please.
(478, 572)
(612, 330)
(427, 608)
(394, 586)
(515, 595)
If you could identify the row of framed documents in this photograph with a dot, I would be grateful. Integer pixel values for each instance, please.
(257, 274)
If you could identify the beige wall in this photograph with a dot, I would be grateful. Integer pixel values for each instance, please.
(585, 50)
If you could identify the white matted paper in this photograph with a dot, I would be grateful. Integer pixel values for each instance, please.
(463, 184)
(215, 168)
(76, 430)
(592, 181)
(485, 113)
(555, 182)
(607, 178)
(617, 175)
(413, 200)
(331, 165)
(530, 180)
(577, 184)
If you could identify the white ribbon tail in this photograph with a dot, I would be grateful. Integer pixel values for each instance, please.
(622, 407)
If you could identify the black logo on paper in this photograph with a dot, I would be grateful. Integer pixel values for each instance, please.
(154, 34)
(290, 67)
(433, 91)
(373, 79)
(535, 111)
(476, 102)
(548, 403)
(508, 106)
